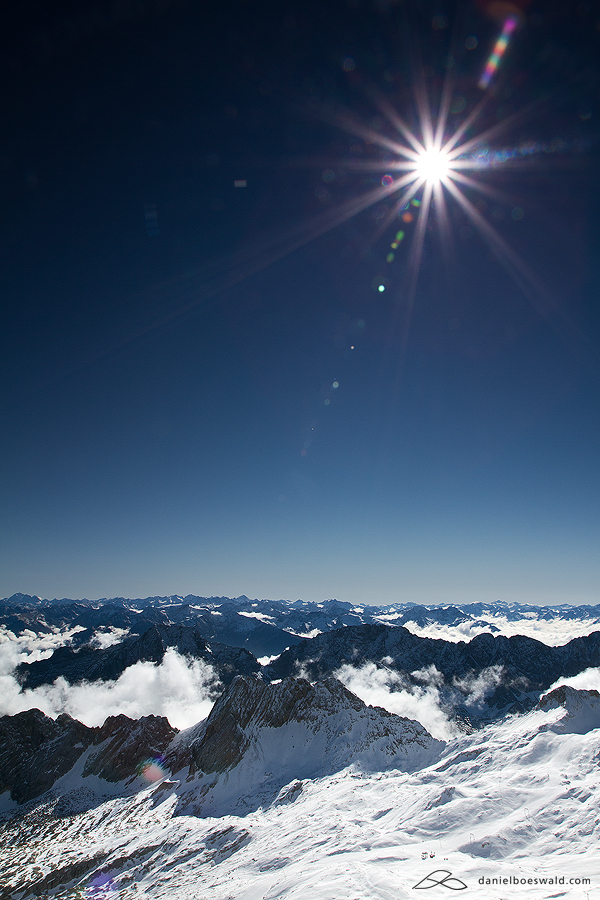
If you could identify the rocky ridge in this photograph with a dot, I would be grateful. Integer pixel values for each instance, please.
(257, 739)
(518, 668)
(261, 737)
(36, 751)
(581, 709)
(91, 664)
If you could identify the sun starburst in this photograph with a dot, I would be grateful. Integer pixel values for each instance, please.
(434, 165)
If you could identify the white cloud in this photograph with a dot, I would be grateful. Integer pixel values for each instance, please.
(108, 638)
(182, 690)
(29, 646)
(304, 634)
(426, 702)
(585, 681)
(428, 674)
(475, 688)
(553, 632)
(265, 660)
(256, 615)
(386, 688)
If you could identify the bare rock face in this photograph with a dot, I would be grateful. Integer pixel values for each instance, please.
(249, 707)
(227, 737)
(35, 750)
(566, 696)
(126, 744)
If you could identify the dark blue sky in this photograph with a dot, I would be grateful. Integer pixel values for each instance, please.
(170, 342)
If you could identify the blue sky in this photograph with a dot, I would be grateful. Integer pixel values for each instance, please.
(182, 413)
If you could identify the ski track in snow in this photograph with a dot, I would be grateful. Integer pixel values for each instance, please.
(518, 798)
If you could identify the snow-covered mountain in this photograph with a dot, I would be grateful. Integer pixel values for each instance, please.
(470, 680)
(288, 785)
(267, 627)
(519, 799)
(258, 737)
(255, 739)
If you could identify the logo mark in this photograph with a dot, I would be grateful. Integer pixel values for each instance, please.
(440, 878)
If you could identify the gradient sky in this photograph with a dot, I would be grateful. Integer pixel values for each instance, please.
(167, 354)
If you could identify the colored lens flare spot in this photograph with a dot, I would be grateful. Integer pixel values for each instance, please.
(100, 887)
(497, 53)
(152, 770)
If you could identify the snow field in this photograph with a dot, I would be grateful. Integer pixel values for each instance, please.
(519, 798)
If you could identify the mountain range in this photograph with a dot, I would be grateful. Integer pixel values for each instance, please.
(296, 789)
(292, 785)
(268, 627)
(509, 673)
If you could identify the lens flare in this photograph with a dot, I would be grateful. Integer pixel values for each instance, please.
(152, 769)
(498, 52)
(428, 166)
(101, 887)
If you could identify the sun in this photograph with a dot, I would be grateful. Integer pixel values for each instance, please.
(433, 165)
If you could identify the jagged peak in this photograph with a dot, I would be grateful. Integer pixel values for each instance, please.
(249, 708)
(569, 697)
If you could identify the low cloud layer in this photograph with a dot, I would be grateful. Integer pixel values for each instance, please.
(29, 646)
(183, 690)
(426, 701)
(553, 632)
(386, 688)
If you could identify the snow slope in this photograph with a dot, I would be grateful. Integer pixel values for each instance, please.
(260, 736)
(518, 799)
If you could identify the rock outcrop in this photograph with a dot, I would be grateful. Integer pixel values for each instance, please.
(581, 709)
(260, 737)
(36, 751)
